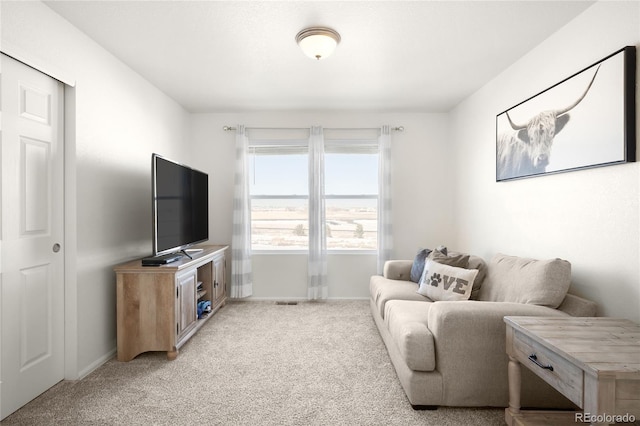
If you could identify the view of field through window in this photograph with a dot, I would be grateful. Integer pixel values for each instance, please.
(280, 205)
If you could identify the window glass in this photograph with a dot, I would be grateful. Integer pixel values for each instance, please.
(351, 224)
(279, 201)
(351, 201)
(278, 174)
(351, 174)
(279, 224)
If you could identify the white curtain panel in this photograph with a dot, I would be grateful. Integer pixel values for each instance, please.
(317, 270)
(241, 275)
(385, 240)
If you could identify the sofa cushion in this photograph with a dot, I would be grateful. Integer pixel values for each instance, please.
(523, 280)
(407, 325)
(418, 264)
(444, 282)
(383, 289)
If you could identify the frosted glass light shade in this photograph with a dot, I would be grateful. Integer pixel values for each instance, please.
(318, 42)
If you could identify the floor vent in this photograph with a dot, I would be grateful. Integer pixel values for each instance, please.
(283, 302)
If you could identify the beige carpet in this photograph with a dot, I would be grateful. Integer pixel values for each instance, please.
(254, 363)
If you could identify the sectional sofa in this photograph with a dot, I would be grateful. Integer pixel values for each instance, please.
(452, 352)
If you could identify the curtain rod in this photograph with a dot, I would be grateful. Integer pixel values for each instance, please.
(230, 128)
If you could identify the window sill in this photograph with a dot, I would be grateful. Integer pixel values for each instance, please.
(305, 252)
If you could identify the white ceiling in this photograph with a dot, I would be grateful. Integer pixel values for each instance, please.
(394, 55)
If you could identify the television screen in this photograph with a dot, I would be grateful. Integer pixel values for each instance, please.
(180, 206)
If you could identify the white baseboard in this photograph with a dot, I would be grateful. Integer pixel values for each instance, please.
(291, 299)
(97, 363)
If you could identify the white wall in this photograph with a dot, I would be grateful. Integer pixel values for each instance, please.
(590, 217)
(422, 202)
(120, 119)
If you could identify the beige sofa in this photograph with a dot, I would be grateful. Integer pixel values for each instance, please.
(452, 353)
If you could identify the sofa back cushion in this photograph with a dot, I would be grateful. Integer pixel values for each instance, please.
(522, 280)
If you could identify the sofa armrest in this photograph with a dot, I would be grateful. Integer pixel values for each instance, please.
(470, 338)
(577, 306)
(477, 321)
(397, 269)
(473, 316)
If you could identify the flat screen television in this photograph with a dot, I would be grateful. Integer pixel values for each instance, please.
(180, 206)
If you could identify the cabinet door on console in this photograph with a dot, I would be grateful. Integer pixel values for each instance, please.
(220, 274)
(186, 289)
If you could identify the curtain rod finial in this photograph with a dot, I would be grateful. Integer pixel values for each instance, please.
(399, 129)
(228, 128)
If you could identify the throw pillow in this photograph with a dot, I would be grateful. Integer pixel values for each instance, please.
(478, 263)
(418, 264)
(444, 282)
(459, 260)
(522, 280)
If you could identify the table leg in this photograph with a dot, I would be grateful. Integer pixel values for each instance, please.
(515, 382)
(599, 396)
(171, 355)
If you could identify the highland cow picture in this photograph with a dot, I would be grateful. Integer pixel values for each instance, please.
(586, 120)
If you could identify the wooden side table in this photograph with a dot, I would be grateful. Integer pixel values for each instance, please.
(594, 362)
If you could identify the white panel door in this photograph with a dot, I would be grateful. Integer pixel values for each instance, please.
(32, 262)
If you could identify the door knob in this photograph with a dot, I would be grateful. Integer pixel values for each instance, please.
(56, 247)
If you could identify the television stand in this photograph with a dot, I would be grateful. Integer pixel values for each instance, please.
(157, 308)
(193, 250)
(189, 252)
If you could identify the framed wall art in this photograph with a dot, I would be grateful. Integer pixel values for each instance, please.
(584, 121)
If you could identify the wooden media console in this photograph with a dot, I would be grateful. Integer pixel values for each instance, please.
(157, 306)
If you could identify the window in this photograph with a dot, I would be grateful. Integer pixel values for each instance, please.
(279, 196)
(351, 196)
(279, 173)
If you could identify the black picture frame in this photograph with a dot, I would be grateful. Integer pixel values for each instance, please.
(587, 120)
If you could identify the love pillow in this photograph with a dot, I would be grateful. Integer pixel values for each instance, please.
(444, 282)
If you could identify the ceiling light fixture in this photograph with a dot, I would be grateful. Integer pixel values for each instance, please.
(318, 42)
